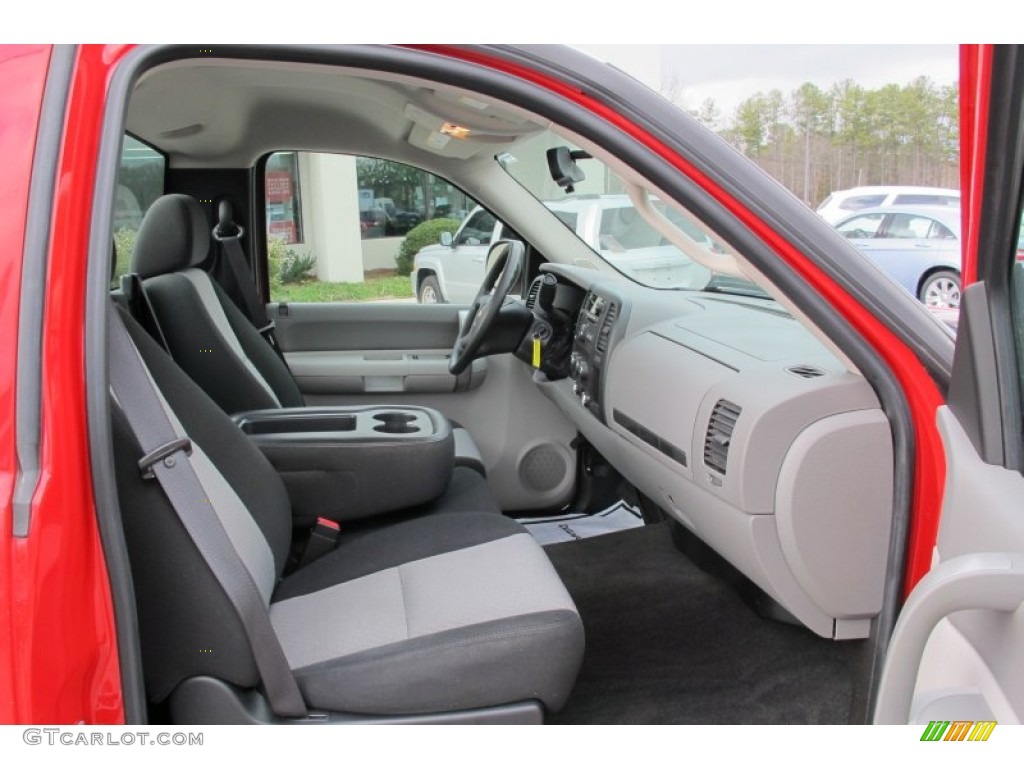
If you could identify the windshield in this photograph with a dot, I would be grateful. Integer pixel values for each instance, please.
(598, 210)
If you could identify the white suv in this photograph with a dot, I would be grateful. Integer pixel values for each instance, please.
(452, 271)
(846, 201)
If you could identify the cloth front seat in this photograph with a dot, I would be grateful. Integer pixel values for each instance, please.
(436, 614)
(206, 334)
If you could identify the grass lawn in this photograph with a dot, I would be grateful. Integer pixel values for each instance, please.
(374, 288)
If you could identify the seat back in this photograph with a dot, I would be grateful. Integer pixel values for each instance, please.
(206, 334)
(187, 624)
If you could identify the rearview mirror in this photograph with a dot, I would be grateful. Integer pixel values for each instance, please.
(563, 169)
(446, 239)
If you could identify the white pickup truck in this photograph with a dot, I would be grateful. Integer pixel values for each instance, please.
(452, 270)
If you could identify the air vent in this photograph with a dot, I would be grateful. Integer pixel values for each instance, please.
(806, 371)
(606, 326)
(719, 436)
(531, 295)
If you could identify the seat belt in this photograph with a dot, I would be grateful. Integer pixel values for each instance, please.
(166, 458)
(228, 236)
(140, 308)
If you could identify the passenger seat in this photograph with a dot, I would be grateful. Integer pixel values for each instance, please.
(454, 616)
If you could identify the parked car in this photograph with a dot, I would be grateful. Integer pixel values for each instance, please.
(609, 224)
(372, 223)
(406, 220)
(919, 247)
(830, 482)
(840, 204)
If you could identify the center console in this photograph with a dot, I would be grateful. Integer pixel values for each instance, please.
(595, 332)
(345, 463)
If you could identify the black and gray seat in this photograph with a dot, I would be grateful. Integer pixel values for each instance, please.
(439, 614)
(205, 332)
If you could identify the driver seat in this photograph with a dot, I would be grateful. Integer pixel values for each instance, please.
(206, 334)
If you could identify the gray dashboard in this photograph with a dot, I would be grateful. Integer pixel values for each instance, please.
(745, 428)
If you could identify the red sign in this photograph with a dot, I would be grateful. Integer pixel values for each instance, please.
(279, 187)
(284, 230)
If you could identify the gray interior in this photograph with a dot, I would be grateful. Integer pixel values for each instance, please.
(414, 371)
(736, 416)
(330, 459)
(358, 354)
(803, 507)
(961, 651)
(442, 612)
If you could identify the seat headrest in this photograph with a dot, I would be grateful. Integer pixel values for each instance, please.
(175, 235)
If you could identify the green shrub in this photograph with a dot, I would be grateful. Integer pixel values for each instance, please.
(276, 252)
(420, 236)
(124, 244)
(285, 265)
(296, 267)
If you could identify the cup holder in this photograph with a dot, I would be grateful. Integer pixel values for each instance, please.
(396, 428)
(395, 423)
(394, 417)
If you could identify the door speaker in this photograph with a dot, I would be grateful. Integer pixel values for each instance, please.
(543, 468)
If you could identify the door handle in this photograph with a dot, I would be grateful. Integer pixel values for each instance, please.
(991, 581)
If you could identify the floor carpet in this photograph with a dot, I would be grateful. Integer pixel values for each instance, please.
(668, 643)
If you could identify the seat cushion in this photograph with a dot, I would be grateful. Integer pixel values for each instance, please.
(448, 612)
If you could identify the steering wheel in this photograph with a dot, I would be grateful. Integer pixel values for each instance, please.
(505, 258)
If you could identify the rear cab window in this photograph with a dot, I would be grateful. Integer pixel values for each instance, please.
(140, 181)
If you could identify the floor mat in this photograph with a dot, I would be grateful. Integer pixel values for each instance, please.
(667, 643)
(572, 527)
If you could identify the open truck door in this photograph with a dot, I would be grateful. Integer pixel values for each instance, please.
(957, 652)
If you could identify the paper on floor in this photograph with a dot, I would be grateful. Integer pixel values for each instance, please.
(553, 530)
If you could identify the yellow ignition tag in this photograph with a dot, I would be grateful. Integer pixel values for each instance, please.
(536, 351)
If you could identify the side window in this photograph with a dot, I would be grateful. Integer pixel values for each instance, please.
(859, 202)
(905, 226)
(345, 228)
(283, 192)
(1017, 299)
(860, 227)
(925, 199)
(140, 181)
(940, 231)
(478, 230)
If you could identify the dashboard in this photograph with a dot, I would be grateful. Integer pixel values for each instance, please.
(744, 427)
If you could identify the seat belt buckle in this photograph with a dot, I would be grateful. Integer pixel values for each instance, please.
(322, 539)
(164, 453)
